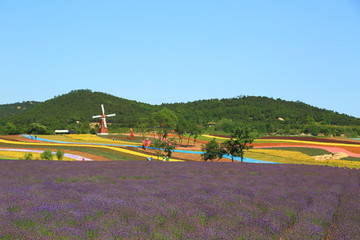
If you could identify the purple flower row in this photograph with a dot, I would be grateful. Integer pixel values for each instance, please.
(192, 200)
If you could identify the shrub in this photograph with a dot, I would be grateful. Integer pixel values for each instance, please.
(28, 156)
(46, 155)
(60, 155)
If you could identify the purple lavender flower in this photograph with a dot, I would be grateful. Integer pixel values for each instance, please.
(136, 200)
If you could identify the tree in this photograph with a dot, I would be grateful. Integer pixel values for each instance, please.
(10, 129)
(36, 128)
(157, 144)
(46, 155)
(165, 146)
(212, 150)
(181, 128)
(165, 119)
(143, 129)
(168, 148)
(226, 125)
(241, 140)
(196, 131)
(60, 155)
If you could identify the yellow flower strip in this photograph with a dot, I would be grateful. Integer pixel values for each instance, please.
(293, 157)
(313, 143)
(216, 137)
(292, 141)
(97, 139)
(82, 145)
(20, 155)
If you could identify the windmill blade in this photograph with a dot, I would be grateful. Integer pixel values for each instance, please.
(97, 116)
(102, 108)
(111, 115)
(105, 125)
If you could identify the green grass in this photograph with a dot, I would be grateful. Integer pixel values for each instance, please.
(351, 159)
(307, 151)
(314, 152)
(6, 237)
(13, 209)
(61, 138)
(92, 234)
(266, 157)
(121, 137)
(4, 157)
(24, 224)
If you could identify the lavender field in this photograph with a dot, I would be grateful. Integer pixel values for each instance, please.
(162, 200)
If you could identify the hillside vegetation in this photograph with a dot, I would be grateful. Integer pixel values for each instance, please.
(267, 115)
(15, 108)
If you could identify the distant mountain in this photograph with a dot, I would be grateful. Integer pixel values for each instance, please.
(265, 114)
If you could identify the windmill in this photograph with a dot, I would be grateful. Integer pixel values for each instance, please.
(103, 130)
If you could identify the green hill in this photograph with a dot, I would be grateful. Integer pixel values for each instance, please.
(15, 108)
(266, 114)
(75, 110)
(78, 107)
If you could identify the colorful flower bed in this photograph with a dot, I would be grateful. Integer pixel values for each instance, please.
(20, 153)
(130, 153)
(96, 139)
(135, 155)
(315, 139)
(296, 157)
(140, 200)
(293, 155)
(351, 151)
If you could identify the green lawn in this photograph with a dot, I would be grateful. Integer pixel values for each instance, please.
(307, 151)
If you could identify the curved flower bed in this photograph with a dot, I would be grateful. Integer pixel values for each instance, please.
(99, 146)
(97, 139)
(17, 153)
(315, 139)
(295, 157)
(351, 151)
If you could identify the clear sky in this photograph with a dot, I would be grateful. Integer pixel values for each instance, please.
(165, 51)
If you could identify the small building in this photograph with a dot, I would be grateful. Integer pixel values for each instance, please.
(62, 131)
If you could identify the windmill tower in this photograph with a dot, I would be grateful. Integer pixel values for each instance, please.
(103, 130)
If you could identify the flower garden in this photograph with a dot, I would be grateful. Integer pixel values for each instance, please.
(293, 150)
(129, 198)
(19, 154)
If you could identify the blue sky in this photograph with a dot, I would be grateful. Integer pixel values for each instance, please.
(179, 51)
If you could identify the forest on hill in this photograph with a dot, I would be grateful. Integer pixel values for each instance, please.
(15, 108)
(74, 110)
